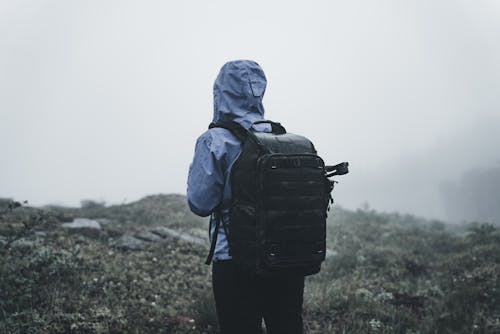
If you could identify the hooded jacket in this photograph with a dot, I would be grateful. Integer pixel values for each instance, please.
(238, 92)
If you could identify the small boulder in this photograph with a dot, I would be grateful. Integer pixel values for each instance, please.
(165, 232)
(331, 253)
(161, 231)
(148, 236)
(198, 233)
(87, 227)
(64, 217)
(104, 221)
(128, 242)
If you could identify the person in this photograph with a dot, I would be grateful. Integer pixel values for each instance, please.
(242, 300)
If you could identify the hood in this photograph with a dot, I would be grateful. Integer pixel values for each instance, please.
(238, 92)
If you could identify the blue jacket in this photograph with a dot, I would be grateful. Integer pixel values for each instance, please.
(238, 92)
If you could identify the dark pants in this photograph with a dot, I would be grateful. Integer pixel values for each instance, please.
(242, 301)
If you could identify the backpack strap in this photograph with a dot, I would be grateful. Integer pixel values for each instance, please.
(235, 128)
(240, 132)
(216, 232)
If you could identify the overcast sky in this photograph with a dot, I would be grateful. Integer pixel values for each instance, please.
(105, 99)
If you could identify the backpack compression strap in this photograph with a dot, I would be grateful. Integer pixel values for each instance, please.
(217, 218)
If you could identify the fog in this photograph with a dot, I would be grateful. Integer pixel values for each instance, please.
(104, 99)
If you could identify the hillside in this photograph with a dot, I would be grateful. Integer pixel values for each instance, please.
(138, 268)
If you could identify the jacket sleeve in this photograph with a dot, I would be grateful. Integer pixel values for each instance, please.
(205, 179)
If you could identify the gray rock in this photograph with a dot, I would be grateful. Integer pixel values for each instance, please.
(128, 242)
(83, 223)
(104, 221)
(161, 231)
(63, 217)
(78, 223)
(3, 241)
(149, 236)
(330, 253)
(87, 227)
(166, 232)
(199, 233)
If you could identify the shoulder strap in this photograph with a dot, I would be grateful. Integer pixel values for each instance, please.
(242, 134)
(239, 132)
(235, 128)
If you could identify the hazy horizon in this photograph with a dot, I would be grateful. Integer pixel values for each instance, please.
(105, 100)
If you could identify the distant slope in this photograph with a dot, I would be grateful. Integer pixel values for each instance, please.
(162, 209)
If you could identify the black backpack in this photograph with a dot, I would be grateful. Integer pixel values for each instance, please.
(280, 198)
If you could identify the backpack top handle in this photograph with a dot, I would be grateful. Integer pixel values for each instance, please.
(276, 127)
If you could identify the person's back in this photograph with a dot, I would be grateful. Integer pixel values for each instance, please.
(241, 299)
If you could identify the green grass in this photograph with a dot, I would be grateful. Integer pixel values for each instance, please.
(395, 274)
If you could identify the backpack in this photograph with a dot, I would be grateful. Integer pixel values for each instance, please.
(280, 197)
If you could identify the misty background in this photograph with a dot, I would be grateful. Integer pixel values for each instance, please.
(104, 99)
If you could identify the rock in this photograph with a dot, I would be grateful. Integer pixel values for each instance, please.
(148, 236)
(83, 223)
(128, 242)
(330, 253)
(104, 221)
(87, 227)
(3, 241)
(165, 232)
(199, 233)
(161, 231)
(63, 217)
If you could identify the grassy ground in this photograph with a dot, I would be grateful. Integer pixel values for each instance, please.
(399, 274)
(389, 274)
